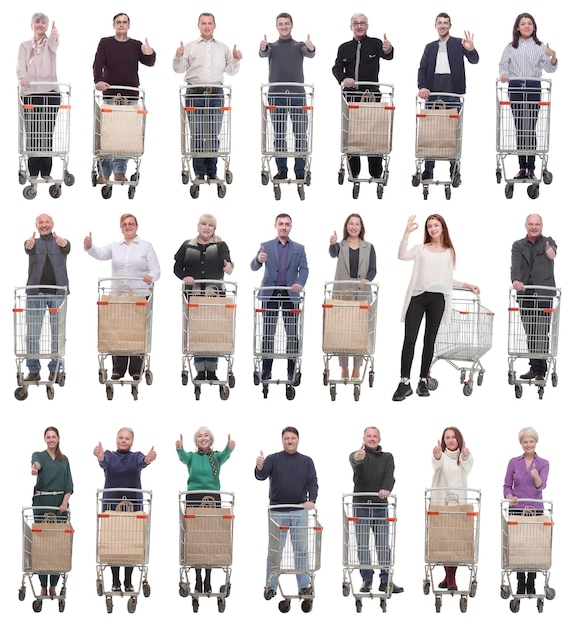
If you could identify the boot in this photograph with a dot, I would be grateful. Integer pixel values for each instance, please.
(207, 581)
(530, 589)
(444, 582)
(451, 578)
(198, 581)
(521, 587)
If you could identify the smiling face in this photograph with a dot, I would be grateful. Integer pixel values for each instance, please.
(525, 28)
(52, 440)
(533, 226)
(290, 442)
(124, 440)
(442, 26)
(283, 228)
(434, 229)
(129, 227)
(359, 26)
(39, 28)
(284, 27)
(44, 224)
(528, 445)
(203, 439)
(206, 25)
(372, 438)
(450, 440)
(205, 228)
(354, 226)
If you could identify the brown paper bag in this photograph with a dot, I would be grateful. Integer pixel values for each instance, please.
(119, 129)
(346, 327)
(529, 542)
(50, 546)
(208, 535)
(369, 130)
(450, 531)
(122, 324)
(122, 536)
(210, 325)
(437, 132)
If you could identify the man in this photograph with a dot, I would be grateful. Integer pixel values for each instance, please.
(292, 480)
(286, 66)
(116, 63)
(442, 70)
(373, 472)
(533, 264)
(286, 267)
(358, 61)
(47, 256)
(204, 61)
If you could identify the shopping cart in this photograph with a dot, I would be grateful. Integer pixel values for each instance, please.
(208, 330)
(349, 331)
(205, 117)
(119, 133)
(526, 548)
(286, 132)
(124, 328)
(533, 326)
(465, 339)
(438, 138)
(122, 540)
(294, 548)
(46, 550)
(205, 541)
(363, 513)
(44, 132)
(451, 540)
(277, 334)
(34, 339)
(367, 115)
(523, 129)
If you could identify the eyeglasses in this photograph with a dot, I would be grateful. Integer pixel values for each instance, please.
(357, 24)
(126, 224)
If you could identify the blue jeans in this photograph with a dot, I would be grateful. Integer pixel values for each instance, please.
(116, 166)
(289, 106)
(298, 523)
(204, 126)
(373, 519)
(448, 100)
(36, 306)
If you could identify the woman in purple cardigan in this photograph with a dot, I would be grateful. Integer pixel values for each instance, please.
(526, 478)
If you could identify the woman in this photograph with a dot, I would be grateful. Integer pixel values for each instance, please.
(122, 469)
(205, 257)
(429, 295)
(53, 488)
(204, 467)
(451, 462)
(37, 64)
(526, 477)
(134, 258)
(522, 62)
(356, 260)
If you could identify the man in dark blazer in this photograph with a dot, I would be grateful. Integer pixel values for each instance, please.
(285, 276)
(533, 264)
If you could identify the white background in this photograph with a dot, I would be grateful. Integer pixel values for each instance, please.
(483, 225)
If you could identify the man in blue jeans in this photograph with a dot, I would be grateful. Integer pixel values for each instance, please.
(292, 481)
(373, 472)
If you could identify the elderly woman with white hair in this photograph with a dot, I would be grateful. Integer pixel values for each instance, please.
(526, 478)
(204, 467)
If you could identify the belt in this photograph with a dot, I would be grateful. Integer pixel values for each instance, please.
(48, 493)
(206, 90)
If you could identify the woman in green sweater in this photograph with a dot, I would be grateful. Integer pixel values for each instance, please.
(204, 467)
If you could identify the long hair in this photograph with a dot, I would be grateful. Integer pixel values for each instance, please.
(516, 33)
(445, 237)
(60, 456)
(459, 440)
(361, 233)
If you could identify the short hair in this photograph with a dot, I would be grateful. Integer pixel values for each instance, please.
(48, 216)
(40, 17)
(123, 217)
(371, 428)
(206, 15)
(285, 16)
(207, 430)
(290, 429)
(126, 428)
(537, 215)
(443, 14)
(118, 15)
(356, 15)
(283, 215)
(528, 431)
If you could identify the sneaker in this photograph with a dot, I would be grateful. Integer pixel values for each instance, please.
(120, 177)
(522, 174)
(422, 389)
(211, 376)
(102, 179)
(427, 175)
(200, 375)
(280, 175)
(33, 377)
(366, 587)
(116, 588)
(129, 588)
(47, 177)
(403, 391)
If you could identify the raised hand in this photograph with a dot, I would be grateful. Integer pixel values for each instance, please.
(386, 43)
(230, 443)
(179, 443)
(236, 53)
(99, 451)
(260, 461)
(262, 256)
(468, 41)
(310, 45)
(549, 52)
(60, 240)
(36, 467)
(263, 44)
(179, 52)
(333, 238)
(550, 252)
(54, 31)
(411, 226)
(30, 243)
(437, 450)
(534, 471)
(227, 266)
(360, 453)
(150, 456)
(88, 241)
(146, 48)
(465, 452)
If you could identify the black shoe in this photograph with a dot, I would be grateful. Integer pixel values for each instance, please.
(269, 593)
(33, 377)
(306, 591)
(199, 177)
(367, 586)
(530, 374)
(531, 175)
(427, 175)
(539, 377)
(282, 175)
(266, 375)
(403, 391)
(300, 175)
(211, 376)
(422, 388)
(522, 175)
(136, 376)
(129, 588)
(521, 586)
(530, 588)
(116, 376)
(200, 375)
(53, 377)
(116, 588)
(394, 588)
(211, 176)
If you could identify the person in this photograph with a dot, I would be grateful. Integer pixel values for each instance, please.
(358, 61)
(53, 488)
(442, 70)
(532, 263)
(286, 268)
(135, 259)
(204, 61)
(356, 260)
(292, 480)
(47, 258)
(116, 64)
(373, 472)
(36, 71)
(204, 468)
(526, 477)
(522, 62)
(429, 294)
(203, 258)
(451, 462)
(286, 66)
(122, 470)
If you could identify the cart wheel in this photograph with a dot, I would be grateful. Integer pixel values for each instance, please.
(61, 605)
(371, 378)
(22, 178)
(265, 390)
(346, 590)
(432, 384)
(550, 593)
(55, 191)
(221, 191)
(325, 377)
(515, 605)
(384, 605)
(463, 604)
(308, 178)
(554, 379)
(228, 177)
(518, 391)
(256, 379)
(194, 191)
(109, 604)
(356, 392)
(61, 379)
(225, 590)
(307, 606)
(510, 377)
(358, 605)
(184, 590)
(132, 604)
(297, 379)
(437, 603)
(285, 606)
(107, 192)
(426, 587)
(533, 191)
(264, 178)
(540, 392)
(456, 180)
(102, 376)
(99, 587)
(480, 378)
(277, 192)
(498, 176)
(94, 178)
(22, 593)
(416, 180)
(425, 192)
(447, 192)
(467, 389)
(221, 604)
(540, 605)
(146, 589)
(224, 392)
(184, 178)
(333, 392)
(301, 192)
(148, 377)
(37, 606)
(195, 605)
(131, 192)
(356, 189)
(184, 378)
(380, 190)
(547, 177)
(289, 392)
(135, 392)
(109, 392)
(29, 192)
(509, 191)
(69, 179)
(50, 392)
(197, 391)
(340, 177)
(21, 393)
(472, 590)
(504, 592)
(462, 376)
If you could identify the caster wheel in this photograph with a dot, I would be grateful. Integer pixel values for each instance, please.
(425, 192)
(472, 590)
(356, 189)
(297, 379)
(110, 392)
(509, 191)
(518, 391)
(197, 391)
(550, 593)
(540, 605)
(265, 391)
(184, 178)
(480, 378)
(109, 605)
(463, 604)
(426, 587)
(456, 180)
(346, 590)
(22, 594)
(462, 376)
(357, 392)
(22, 178)
(228, 177)
(132, 603)
(21, 393)
(307, 606)
(504, 592)
(146, 589)
(194, 191)
(231, 380)
(467, 389)
(554, 379)
(107, 192)
(37, 606)
(371, 378)
(50, 392)
(221, 604)
(498, 176)
(333, 392)
(284, 606)
(326, 378)
(437, 604)
(148, 377)
(540, 393)
(340, 177)
(308, 178)
(221, 191)
(225, 590)
(277, 192)
(547, 177)
(383, 605)
(264, 178)
(533, 191)
(380, 190)
(515, 605)
(195, 605)
(61, 606)
(416, 180)
(447, 192)
(61, 379)
(432, 384)
(358, 605)
(134, 392)
(94, 179)
(99, 588)
(301, 192)
(131, 192)
(184, 590)
(256, 378)
(510, 377)
(55, 191)
(69, 179)
(224, 392)
(29, 192)
(289, 392)
(102, 376)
